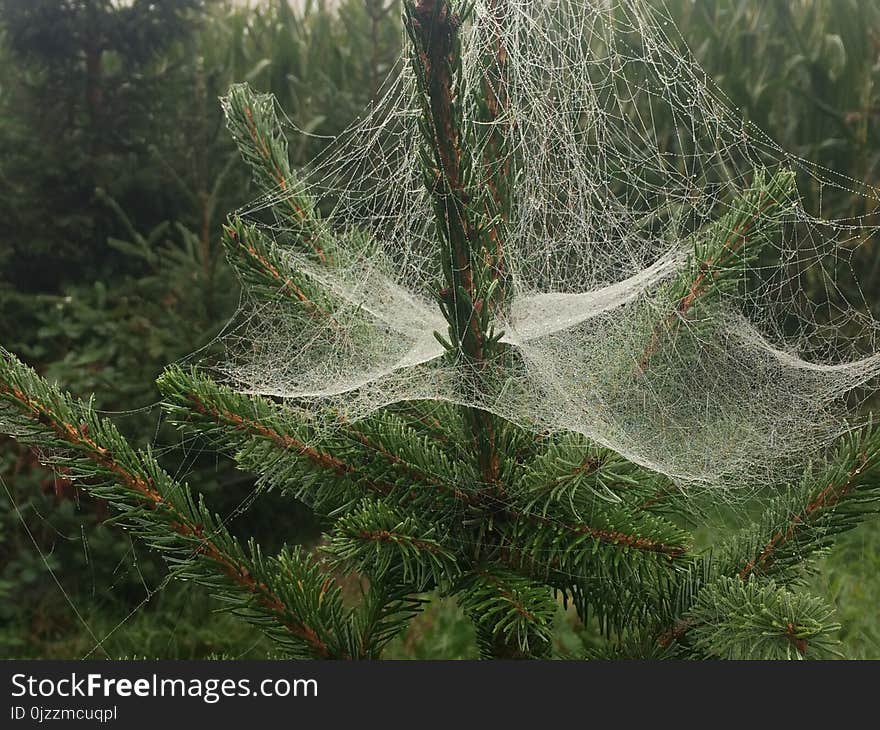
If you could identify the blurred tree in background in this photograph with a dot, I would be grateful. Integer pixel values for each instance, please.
(80, 82)
(115, 172)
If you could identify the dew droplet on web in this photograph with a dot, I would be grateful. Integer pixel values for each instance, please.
(612, 203)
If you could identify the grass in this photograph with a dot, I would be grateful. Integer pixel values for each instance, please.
(848, 578)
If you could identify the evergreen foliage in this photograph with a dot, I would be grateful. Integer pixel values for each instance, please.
(435, 497)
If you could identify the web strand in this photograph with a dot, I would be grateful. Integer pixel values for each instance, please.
(627, 157)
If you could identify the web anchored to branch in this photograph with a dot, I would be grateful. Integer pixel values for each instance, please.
(659, 285)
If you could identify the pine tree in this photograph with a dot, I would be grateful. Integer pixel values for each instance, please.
(451, 499)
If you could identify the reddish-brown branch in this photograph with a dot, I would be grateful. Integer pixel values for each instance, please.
(78, 436)
(437, 28)
(410, 470)
(706, 274)
(285, 441)
(612, 537)
(328, 461)
(388, 536)
(517, 605)
(791, 634)
(588, 466)
(674, 633)
(285, 284)
(278, 174)
(496, 94)
(828, 497)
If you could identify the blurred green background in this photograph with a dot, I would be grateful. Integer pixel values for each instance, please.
(115, 175)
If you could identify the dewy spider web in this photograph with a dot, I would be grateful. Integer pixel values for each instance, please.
(625, 159)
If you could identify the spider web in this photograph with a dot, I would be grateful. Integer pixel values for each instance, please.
(625, 155)
(625, 152)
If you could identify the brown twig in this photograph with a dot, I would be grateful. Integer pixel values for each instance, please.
(77, 435)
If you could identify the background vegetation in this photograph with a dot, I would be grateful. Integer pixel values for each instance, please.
(116, 172)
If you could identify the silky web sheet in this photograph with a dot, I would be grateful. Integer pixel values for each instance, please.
(625, 153)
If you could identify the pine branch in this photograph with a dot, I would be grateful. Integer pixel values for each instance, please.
(385, 611)
(566, 516)
(795, 527)
(253, 123)
(379, 542)
(265, 438)
(721, 253)
(265, 274)
(433, 30)
(513, 615)
(644, 533)
(440, 421)
(570, 471)
(736, 619)
(497, 159)
(612, 575)
(381, 456)
(470, 286)
(806, 521)
(164, 513)
(414, 457)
